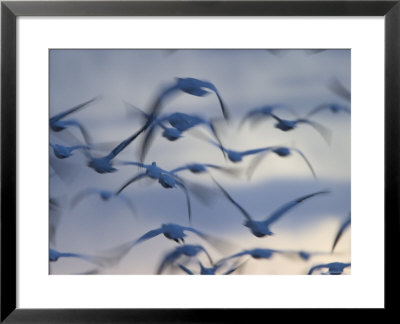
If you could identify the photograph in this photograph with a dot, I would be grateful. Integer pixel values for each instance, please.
(199, 161)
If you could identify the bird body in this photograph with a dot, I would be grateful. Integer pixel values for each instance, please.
(186, 250)
(164, 177)
(262, 228)
(63, 152)
(288, 125)
(281, 151)
(334, 268)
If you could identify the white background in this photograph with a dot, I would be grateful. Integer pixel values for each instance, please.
(363, 288)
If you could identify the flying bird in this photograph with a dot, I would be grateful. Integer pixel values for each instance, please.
(332, 107)
(63, 152)
(255, 115)
(261, 228)
(339, 89)
(105, 164)
(340, 232)
(287, 125)
(57, 123)
(164, 177)
(210, 270)
(203, 168)
(282, 152)
(187, 250)
(54, 255)
(237, 156)
(180, 123)
(334, 268)
(105, 195)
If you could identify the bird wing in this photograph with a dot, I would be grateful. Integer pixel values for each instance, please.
(135, 178)
(252, 113)
(148, 235)
(255, 151)
(189, 208)
(182, 168)
(83, 130)
(214, 132)
(306, 160)
(319, 266)
(254, 163)
(322, 130)
(185, 269)
(286, 207)
(81, 195)
(338, 88)
(317, 109)
(126, 200)
(147, 140)
(124, 144)
(242, 210)
(342, 228)
(71, 110)
(168, 259)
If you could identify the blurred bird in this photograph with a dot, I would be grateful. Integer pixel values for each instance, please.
(257, 253)
(339, 233)
(334, 268)
(332, 107)
(54, 255)
(105, 164)
(256, 115)
(199, 88)
(237, 156)
(180, 123)
(261, 228)
(165, 178)
(187, 250)
(57, 124)
(203, 168)
(105, 195)
(55, 214)
(63, 152)
(282, 152)
(339, 89)
(287, 125)
(212, 270)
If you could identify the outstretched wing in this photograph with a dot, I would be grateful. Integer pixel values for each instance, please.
(135, 178)
(189, 208)
(318, 109)
(342, 228)
(185, 269)
(316, 267)
(83, 194)
(227, 195)
(286, 207)
(307, 162)
(322, 130)
(148, 235)
(125, 143)
(254, 163)
(168, 259)
(71, 110)
(338, 88)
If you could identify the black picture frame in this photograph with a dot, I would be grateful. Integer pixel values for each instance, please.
(10, 10)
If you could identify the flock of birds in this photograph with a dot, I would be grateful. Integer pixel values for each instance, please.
(185, 257)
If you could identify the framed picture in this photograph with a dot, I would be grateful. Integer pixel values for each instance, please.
(168, 133)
